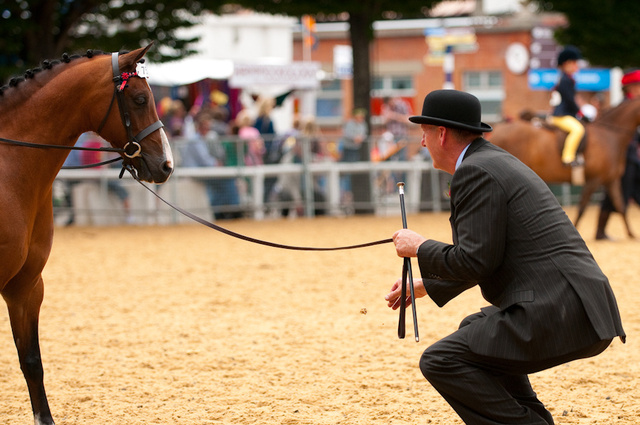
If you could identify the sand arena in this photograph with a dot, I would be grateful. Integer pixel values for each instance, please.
(184, 325)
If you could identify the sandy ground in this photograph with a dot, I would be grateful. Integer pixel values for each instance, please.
(184, 325)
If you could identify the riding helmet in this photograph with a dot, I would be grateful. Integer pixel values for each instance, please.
(569, 53)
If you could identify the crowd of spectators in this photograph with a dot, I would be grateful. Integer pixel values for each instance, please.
(206, 135)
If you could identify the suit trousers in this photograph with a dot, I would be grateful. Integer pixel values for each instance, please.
(489, 391)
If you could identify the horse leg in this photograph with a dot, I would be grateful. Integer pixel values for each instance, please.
(587, 191)
(614, 189)
(24, 310)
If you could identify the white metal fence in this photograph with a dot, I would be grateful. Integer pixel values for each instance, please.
(85, 195)
(92, 196)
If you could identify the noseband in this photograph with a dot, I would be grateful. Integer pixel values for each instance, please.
(132, 149)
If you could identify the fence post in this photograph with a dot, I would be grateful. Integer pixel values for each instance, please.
(257, 183)
(414, 187)
(307, 178)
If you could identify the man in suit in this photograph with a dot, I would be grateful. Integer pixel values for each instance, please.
(550, 302)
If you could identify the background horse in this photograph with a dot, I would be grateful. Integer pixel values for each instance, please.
(606, 144)
(53, 105)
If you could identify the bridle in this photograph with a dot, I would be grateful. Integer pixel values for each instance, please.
(133, 148)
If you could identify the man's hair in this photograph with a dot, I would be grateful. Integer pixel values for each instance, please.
(464, 135)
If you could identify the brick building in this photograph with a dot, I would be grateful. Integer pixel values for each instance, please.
(494, 55)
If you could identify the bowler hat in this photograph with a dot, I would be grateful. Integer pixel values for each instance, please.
(452, 108)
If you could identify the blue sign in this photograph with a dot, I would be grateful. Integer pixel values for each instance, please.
(592, 79)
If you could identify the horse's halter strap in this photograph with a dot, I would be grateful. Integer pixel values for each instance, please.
(132, 149)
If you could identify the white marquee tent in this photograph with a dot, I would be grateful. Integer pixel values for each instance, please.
(188, 71)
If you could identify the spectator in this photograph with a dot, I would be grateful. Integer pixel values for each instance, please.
(205, 150)
(287, 149)
(175, 121)
(255, 145)
(385, 149)
(354, 134)
(219, 118)
(264, 124)
(352, 145)
(395, 112)
(254, 153)
(321, 152)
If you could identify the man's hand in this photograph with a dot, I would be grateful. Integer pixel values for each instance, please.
(393, 297)
(407, 242)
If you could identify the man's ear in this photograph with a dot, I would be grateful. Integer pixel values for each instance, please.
(442, 135)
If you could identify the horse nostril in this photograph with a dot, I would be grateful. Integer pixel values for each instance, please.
(167, 167)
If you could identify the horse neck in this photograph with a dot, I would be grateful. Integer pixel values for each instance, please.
(622, 119)
(53, 108)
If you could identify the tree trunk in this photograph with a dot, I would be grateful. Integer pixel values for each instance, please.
(360, 31)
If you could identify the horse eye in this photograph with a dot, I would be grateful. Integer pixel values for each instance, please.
(140, 100)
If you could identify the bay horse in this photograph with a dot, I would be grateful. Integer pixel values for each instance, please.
(47, 110)
(607, 139)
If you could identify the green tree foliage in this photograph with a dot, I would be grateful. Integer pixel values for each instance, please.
(605, 30)
(34, 30)
(360, 16)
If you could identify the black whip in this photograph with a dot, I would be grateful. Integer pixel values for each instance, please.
(406, 273)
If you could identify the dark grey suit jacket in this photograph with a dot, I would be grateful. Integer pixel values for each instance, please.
(512, 238)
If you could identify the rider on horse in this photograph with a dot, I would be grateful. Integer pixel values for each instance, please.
(566, 109)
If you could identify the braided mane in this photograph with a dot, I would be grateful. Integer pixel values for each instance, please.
(45, 66)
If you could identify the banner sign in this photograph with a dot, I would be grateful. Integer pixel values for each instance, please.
(343, 61)
(454, 40)
(300, 75)
(591, 79)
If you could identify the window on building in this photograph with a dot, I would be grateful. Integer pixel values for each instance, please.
(329, 107)
(329, 102)
(488, 87)
(389, 86)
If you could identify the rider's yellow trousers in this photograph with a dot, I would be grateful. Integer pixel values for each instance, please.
(576, 131)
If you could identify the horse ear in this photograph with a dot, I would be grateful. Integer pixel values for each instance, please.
(129, 60)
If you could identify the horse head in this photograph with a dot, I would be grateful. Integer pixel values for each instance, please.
(133, 124)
